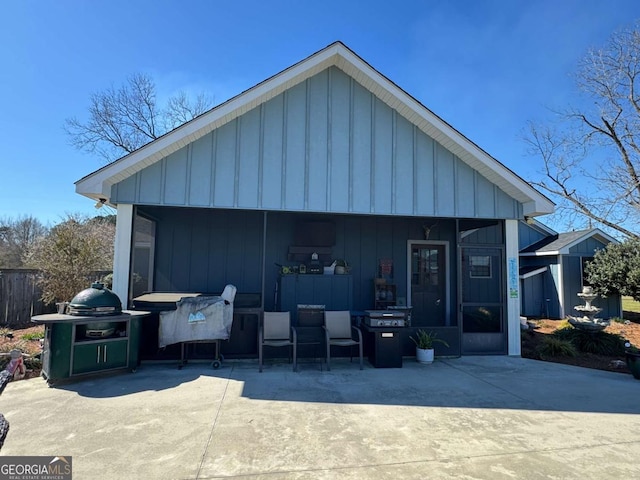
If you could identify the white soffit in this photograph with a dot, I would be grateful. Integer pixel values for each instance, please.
(98, 184)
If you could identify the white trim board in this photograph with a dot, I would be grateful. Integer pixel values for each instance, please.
(533, 273)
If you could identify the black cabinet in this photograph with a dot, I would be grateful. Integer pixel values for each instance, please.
(243, 339)
(335, 292)
(383, 346)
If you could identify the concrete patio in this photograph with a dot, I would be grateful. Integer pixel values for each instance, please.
(471, 418)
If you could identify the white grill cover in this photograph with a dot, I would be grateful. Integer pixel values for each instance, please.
(198, 319)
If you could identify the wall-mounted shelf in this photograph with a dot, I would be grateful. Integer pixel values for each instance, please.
(384, 295)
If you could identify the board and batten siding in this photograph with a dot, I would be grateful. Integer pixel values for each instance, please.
(527, 235)
(325, 145)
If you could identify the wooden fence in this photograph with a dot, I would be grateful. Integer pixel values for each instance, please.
(20, 297)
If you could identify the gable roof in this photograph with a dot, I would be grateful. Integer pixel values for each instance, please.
(561, 243)
(539, 226)
(97, 185)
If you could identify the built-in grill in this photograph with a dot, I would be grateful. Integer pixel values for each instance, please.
(95, 301)
(385, 318)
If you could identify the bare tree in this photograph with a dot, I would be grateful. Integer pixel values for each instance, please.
(124, 119)
(17, 235)
(70, 254)
(591, 159)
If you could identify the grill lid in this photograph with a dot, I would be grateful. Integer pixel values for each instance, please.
(94, 301)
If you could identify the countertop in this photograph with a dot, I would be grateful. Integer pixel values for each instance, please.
(64, 318)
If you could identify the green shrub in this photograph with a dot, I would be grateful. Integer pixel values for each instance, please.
(565, 333)
(556, 347)
(617, 320)
(600, 343)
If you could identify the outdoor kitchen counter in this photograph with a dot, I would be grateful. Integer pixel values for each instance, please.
(77, 345)
(50, 318)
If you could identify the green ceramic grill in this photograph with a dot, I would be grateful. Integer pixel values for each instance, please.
(95, 301)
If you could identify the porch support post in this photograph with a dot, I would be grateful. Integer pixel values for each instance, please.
(513, 286)
(122, 253)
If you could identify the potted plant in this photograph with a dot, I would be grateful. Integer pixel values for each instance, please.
(424, 345)
(632, 354)
(341, 267)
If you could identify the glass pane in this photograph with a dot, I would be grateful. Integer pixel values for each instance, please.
(143, 254)
(481, 319)
(480, 266)
(428, 286)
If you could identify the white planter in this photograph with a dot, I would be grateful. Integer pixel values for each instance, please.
(424, 356)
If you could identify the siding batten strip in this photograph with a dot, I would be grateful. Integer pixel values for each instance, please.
(372, 155)
(456, 186)
(351, 121)
(307, 142)
(329, 138)
(414, 163)
(261, 155)
(187, 190)
(236, 156)
(476, 195)
(212, 186)
(163, 177)
(436, 206)
(138, 187)
(394, 158)
(283, 184)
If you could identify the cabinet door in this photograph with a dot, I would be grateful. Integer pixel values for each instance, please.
(94, 357)
(86, 358)
(114, 355)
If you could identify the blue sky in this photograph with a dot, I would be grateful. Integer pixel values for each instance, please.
(485, 66)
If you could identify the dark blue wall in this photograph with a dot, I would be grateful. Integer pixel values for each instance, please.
(201, 250)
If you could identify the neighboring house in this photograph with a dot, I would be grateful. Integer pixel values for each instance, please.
(552, 270)
(328, 156)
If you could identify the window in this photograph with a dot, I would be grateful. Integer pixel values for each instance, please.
(480, 266)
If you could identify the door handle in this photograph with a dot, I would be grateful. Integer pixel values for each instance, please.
(105, 354)
(98, 357)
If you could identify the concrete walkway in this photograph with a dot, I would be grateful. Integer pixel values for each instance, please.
(469, 418)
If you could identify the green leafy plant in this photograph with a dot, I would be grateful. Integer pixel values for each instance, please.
(33, 335)
(616, 269)
(556, 347)
(425, 340)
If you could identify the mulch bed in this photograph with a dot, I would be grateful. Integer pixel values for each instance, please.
(532, 339)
